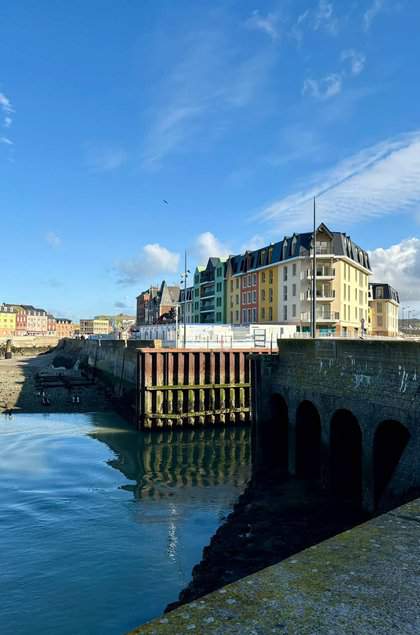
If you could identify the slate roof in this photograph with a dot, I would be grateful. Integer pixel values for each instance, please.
(388, 292)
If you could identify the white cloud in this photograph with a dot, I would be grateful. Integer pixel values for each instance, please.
(399, 265)
(368, 17)
(267, 24)
(207, 246)
(6, 141)
(7, 109)
(324, 18)
(356, 60)
(153, 262)
(324, 88)
(104, 158)
(255, 242)
(212, 76)
(53, 240)
(380, 180)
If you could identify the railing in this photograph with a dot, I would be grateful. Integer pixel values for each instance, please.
(322, 272)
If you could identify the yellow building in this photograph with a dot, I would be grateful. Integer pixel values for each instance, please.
(268, 293)
(96, 326)
(384, 304)
(7, 322)
(234, 273)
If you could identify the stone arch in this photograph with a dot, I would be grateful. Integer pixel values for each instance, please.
(346, 455)
(391, 438)
(308, 441)
(276, 433)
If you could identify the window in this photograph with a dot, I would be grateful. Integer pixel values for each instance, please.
(270, 276)
(379, 307)
(218, 317)
(293, 310)
(237, 316)
(263, 295)
(270, 294)
(237, 283)
(285, 293)
(249, 315)
(243, 315)
(249, 280)
(263, 313)
(263, 276)
(254, 296)
(218, 287)
(244, 298)
(360, 297)
(254, 279)
(219, 271)
(270, 314)
(285, 313)
(379, 292)
(379, 320)
(231, 302)
(294, 269)
(218, 301)
(249, 297)
(294, 290)
(231, 286)
(254, 315)
(237, 298)
(285, 274)
(231, 316)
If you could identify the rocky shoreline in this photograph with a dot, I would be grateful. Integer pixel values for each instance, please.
(272, 520)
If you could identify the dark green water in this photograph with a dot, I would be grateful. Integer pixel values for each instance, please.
(100, 525)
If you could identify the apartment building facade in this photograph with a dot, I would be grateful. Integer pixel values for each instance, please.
(209, 305)
(384, 304)
(285, 278)
(186, 305)
(64, 328)
(7, 321)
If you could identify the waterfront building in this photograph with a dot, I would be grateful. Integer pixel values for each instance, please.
(209, 292)
(186, 305)
(234, 274)
(384, 304)
(64, 328)
(7, 321)
(36, 320)
(283, 283)
(143, 301)
(156, 302)
(95, 326)
(51, 325)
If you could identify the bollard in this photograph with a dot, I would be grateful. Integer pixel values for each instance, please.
(8, 351)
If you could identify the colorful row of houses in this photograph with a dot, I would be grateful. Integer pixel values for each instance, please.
(25, 319)
(274, 284)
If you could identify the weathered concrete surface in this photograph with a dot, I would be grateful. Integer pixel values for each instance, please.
(364, 581)
(375, 381)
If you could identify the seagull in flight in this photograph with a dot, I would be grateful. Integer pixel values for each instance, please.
(166, 202)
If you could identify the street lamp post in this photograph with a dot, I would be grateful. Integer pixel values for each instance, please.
(314, 277)
(184, 279)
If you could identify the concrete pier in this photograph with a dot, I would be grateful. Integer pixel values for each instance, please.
(364, 581)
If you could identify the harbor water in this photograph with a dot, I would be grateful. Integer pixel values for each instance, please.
(100, 524)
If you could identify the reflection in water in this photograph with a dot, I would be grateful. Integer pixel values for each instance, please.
(101, 524)
(175, 462)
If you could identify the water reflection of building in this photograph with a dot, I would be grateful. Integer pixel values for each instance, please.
(172, 463)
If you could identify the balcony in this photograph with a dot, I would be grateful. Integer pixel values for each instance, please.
(323, 293)
(322, 273)
(321, 316)
(207, 292)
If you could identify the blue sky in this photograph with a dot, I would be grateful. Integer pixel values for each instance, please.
(236, 113)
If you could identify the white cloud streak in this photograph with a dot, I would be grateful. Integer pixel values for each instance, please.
(266, 24)
(355, 59)
(212, 77)
(154, 261)
(380, 180)
(399, 265)
(324, 88)
(368, 17)
(324, 18)
(7, 110)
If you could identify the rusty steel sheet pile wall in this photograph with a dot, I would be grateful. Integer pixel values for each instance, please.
(180, 387)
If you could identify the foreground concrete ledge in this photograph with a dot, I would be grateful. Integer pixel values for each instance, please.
(365, 581)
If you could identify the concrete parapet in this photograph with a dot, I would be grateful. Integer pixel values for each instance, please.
(364, 581)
